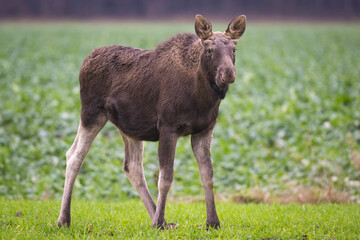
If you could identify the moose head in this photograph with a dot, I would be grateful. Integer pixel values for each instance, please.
(218, 56)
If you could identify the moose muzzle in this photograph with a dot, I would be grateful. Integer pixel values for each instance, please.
(225, 76)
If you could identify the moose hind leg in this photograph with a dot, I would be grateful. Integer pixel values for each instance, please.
(74, 159)
(133, 168)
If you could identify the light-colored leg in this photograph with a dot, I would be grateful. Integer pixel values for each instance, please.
(74, 159)
(73, 146)
(133, 168)
(167, 145)
(201, 147)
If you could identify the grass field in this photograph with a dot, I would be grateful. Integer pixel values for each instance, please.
(289, 123)
(26, 219)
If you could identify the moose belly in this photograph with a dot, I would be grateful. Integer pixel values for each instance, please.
(144, 131)
(138, 122)
(195, 125)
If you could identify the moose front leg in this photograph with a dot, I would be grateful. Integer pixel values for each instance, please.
(201, 147)
(167, 146)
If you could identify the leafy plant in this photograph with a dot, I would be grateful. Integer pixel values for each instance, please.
(291, 119)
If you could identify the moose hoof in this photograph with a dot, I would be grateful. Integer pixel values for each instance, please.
(164, 226)
(171, 226)
(215, 225)
(63, 222)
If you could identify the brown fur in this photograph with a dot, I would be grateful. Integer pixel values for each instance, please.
(139, 90)
(157, 95)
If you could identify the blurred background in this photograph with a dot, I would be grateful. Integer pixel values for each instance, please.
(288, 129)
(178, 9)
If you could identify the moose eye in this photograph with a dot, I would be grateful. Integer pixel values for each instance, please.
(234, 50)
(209, 51)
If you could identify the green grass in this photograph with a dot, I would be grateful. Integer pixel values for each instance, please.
(129, 220)
(290, 120)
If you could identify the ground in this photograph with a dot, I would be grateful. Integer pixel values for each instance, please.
(28, 219)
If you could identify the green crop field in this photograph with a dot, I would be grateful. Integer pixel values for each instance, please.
(288, 131)
(290, 123)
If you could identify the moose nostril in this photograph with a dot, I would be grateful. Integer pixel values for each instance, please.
(230, 71)
(230, 74)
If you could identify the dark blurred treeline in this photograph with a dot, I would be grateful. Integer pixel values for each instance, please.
(264, 9)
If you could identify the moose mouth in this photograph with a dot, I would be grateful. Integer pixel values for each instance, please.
(224, 77)
(221, 82)
(221, 89)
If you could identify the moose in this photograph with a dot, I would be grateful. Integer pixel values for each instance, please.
(156, 95)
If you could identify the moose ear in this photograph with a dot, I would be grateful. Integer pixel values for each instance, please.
(203, 27)
(236, 27)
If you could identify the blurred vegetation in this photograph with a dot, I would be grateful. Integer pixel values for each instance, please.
(292, 118)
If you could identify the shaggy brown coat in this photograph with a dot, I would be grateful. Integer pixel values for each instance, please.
(156, 95)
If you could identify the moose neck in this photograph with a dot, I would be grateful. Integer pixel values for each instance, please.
(208, 84)
(210, 94)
